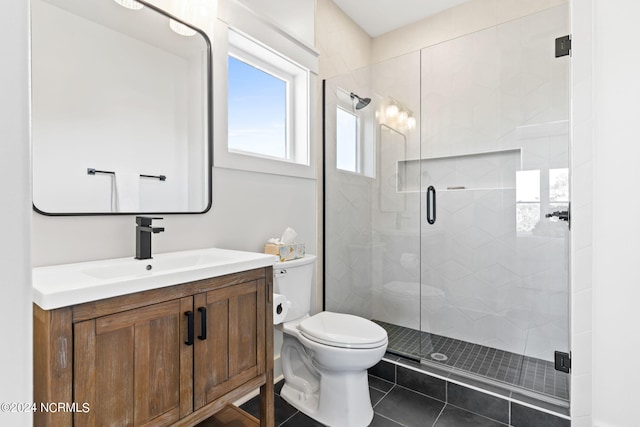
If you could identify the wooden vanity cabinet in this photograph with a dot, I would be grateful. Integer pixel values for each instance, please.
(170, 356)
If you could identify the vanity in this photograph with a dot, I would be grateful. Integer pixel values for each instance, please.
(168, 341)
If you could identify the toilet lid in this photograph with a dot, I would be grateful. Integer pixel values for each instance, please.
(343, 330)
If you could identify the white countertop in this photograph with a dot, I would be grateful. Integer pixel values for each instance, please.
(69, 284)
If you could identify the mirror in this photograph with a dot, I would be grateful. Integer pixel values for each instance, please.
(121, 110)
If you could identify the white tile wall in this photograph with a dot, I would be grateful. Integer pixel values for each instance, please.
(581, 212)
(342, 44)
(465, 19)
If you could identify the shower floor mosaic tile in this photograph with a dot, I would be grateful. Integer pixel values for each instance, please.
(528, 373)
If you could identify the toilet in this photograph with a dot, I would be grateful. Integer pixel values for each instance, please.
(325, 357)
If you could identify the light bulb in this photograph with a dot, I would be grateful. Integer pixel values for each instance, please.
(411, 122)
(403, 116)
(130, 4)
(181, 29)
(391, 111)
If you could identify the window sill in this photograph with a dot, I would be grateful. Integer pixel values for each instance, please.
(245, 162)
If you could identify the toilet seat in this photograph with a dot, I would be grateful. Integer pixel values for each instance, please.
(343, 330)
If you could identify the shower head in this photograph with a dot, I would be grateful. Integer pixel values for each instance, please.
(362, 102)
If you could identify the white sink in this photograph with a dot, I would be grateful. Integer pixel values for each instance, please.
(69, 284)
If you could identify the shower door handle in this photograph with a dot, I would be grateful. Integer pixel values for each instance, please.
(430, 200)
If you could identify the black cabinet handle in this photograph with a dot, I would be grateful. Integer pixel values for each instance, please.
(189, 315)
(203, 323)
(430, 196)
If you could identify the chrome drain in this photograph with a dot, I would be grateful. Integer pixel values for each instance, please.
(438, 357)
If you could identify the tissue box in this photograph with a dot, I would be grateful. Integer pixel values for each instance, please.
(285, 252)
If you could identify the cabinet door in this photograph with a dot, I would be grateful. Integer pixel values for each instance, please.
(127, 366)
(234, 349)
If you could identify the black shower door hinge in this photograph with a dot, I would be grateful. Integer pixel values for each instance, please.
(563, 361)
(563, 46)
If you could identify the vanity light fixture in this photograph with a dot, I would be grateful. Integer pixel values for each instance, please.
(402, 117)
(188, 11)
(398, 116)
(130, 4)
(181, 29)
(411, 122)
(392, 111)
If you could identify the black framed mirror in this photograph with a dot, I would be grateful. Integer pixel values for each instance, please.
(121, 110)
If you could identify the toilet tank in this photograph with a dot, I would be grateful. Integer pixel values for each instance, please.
(293, 280)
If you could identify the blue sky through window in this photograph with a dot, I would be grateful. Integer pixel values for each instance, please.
(257, 110)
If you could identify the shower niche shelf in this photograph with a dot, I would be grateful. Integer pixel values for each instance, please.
(494, 170)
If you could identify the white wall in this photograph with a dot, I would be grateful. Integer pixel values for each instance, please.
(616, 290)
(15, 304)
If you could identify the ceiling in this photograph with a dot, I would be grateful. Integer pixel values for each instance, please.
(377, 17)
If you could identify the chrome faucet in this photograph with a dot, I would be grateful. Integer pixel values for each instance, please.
(143, 236)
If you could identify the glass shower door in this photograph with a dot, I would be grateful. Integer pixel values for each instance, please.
(494, 235)
(396, 201)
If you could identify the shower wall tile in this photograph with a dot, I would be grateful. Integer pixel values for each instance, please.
(582, 308)
(582, 277)
(580, 403)
(581, 211)
(581, 345)
(467, 18)
(342, 44)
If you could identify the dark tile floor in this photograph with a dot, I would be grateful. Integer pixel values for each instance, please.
(393, 406)
(528, 373)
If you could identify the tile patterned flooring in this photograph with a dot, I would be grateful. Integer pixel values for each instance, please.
(513, 369)
(393, 405)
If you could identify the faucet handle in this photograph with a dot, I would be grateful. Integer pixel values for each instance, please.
(145, 221)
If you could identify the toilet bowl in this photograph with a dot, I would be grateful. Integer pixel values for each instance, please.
(325, 357)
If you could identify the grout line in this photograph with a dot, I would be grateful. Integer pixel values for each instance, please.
(387, 418)
(438, 417)
(287, 420)
(385, 395)
(421, 394)
(484, 416)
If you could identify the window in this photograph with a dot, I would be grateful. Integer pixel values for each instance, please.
(355, 136)
(257, 111)
(527, 200)
(267, 103)
(347, 141)
(530, 204)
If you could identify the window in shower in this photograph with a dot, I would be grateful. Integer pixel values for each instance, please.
(527, 200)
(530, 201)
(355, 146)
(348, 150)
(558, 189)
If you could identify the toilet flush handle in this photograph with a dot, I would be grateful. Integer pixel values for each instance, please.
(280, 273)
